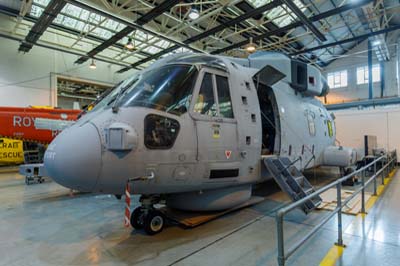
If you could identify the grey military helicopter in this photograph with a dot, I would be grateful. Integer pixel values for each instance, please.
(195, 131)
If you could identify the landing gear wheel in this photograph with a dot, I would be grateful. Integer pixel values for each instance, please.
(153, 222)
(137, 218)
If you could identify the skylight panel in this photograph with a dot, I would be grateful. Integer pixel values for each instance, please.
(140, 35)
(59, 19)
(102, 33)
(71, 10)
(152, 50)
(36, 11)
(280, 15)
(164, 44)
(111, 24)
(69, 22)
(95, 18)
(79, 25)
(41, 2)
(258, 3)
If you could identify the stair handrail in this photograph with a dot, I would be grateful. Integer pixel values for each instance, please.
(289, 165)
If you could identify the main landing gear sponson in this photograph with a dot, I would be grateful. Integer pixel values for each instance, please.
(148, 218)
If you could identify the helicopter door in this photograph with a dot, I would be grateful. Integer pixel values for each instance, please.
(216, 126)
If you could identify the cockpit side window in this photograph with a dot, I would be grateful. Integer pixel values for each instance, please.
(205, 103)
(224, 97)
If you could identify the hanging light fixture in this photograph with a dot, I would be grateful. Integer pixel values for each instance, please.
(92, 64)
(194, 13)
(251, 47)
(129, 45)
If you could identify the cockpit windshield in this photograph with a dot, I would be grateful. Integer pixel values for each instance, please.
(168, 88)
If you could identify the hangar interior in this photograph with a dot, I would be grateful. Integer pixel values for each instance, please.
(258, 72)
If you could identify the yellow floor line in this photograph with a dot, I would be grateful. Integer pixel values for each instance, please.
(336, 252)
(333, 254)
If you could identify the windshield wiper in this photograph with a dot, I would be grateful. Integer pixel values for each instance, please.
(114, 107)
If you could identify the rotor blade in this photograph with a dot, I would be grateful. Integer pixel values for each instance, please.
(52, 124)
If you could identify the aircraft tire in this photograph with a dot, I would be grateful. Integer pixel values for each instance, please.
(135, 218)
(153, 222)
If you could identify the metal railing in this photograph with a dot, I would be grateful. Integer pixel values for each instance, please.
(384, 171)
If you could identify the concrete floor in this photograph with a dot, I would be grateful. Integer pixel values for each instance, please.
(43, 224)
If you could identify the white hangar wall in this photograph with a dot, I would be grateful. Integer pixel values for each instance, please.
(29, 79)
(383, 122)
(358, 57)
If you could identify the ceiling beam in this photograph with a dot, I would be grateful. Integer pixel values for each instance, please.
(14, 13)
(354, 39)
(107, 14)
(222, 26)
(58, 49)
(153, 13)
(49, 14)
(292, 6)
(296, 24)
(235, 21)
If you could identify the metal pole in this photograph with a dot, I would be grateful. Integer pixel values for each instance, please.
(339, 205)
(387, 167)
(375, 194)
(281, 250)
(383, 173)
(370, 85)
(362, 192)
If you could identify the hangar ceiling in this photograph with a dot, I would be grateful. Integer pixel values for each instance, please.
(313, 31)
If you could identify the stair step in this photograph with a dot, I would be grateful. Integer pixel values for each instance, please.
(299, 179)
(308, 191)
(291, 181)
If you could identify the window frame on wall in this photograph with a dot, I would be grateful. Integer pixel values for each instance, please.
(363, 70)
(338, 79)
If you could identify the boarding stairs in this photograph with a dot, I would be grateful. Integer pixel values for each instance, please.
(292, 181)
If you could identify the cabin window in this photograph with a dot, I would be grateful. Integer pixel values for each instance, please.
(224, 97)
(253, 118)
(247, 85)
(205, 103)
(160, 132)
(248, 140)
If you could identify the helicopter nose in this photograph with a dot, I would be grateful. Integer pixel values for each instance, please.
(73, 159)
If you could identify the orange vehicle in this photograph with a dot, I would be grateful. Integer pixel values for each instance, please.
(19, 122)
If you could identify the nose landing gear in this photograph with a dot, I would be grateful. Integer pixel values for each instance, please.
(147, 217)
